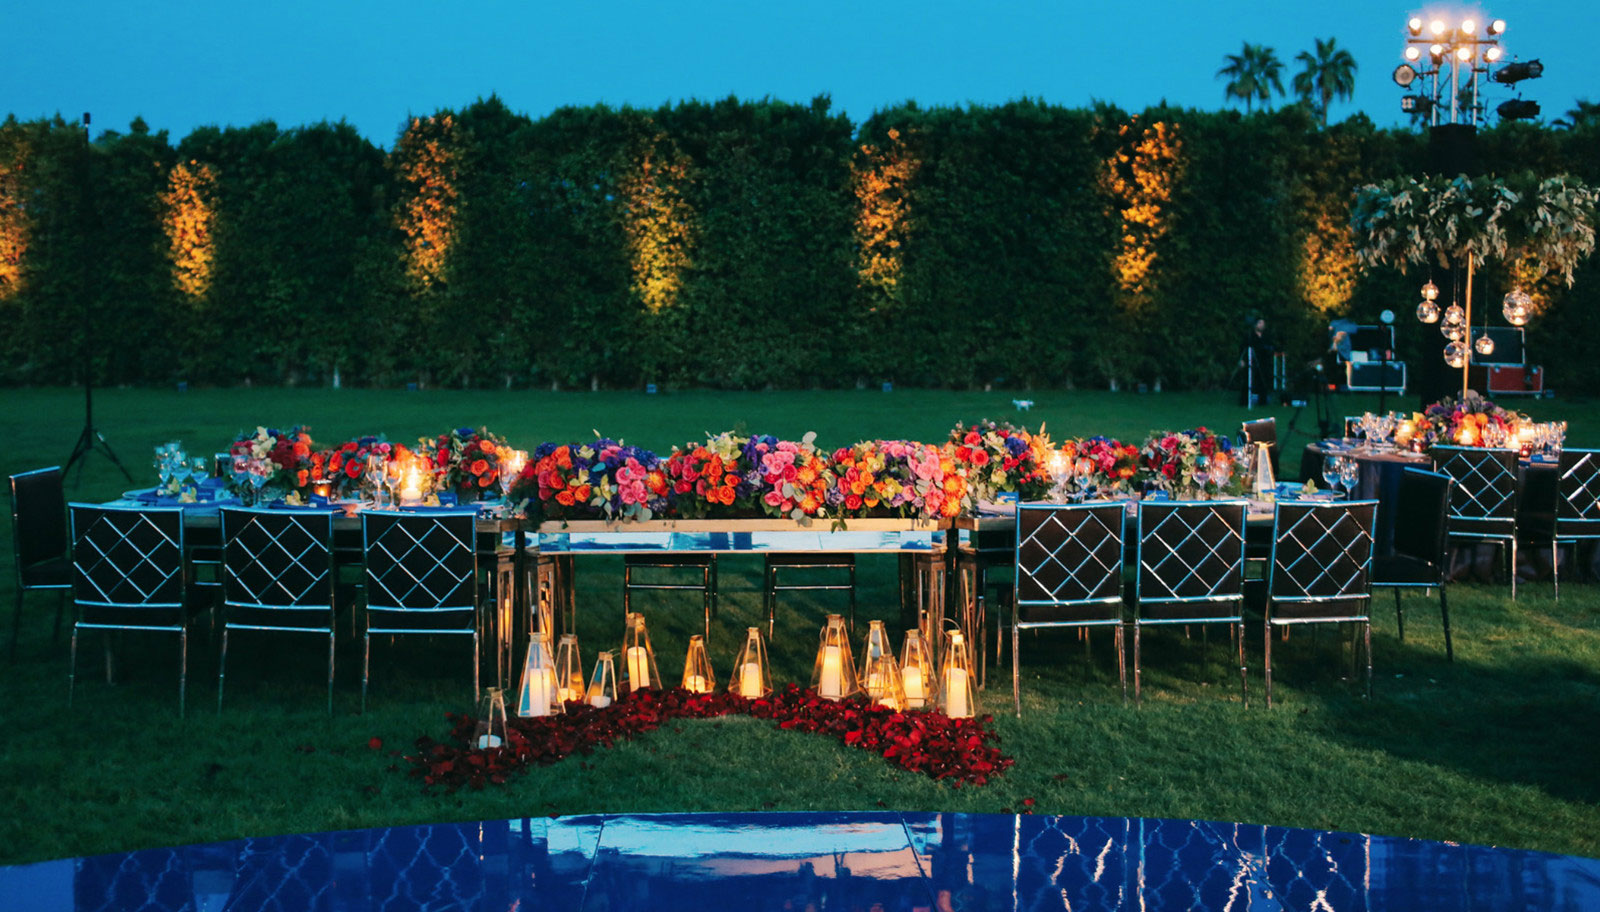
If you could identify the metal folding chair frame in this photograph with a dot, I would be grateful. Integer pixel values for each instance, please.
(317, 528)
(1226, 587)
(176, 572)
(1357, 589)
(23, 586)
(1110, 570)
(1490, 512)
(383, 601)
(1578, 494)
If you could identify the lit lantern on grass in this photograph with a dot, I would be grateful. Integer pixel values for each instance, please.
(569, 669)
(880, 673)
(639, 656)
(491, 719)
(697, 676)
(917, 677)
(539, 694)
(958, 696)
(749, 678)
(834, 675)
(603, 685)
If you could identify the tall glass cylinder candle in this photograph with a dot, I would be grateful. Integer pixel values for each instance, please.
(639, 657)
(833, 675)
(749, 678)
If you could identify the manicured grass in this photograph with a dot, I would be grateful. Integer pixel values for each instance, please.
(1498, 747)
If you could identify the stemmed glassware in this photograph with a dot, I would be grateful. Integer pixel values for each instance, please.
(1349, 474)
(1333, 470)
(376, 472)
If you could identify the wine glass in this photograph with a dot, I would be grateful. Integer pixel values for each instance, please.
(1558, 436)
(200, 467)
(1333, 471)
(163, 465)
(1350, 474)
(375, 475)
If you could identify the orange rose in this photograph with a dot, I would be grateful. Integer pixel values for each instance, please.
(564, 498)
(302, 449)
(726, 495)
(581, 492)
(301, 477)
(486, 480)
(480, 466)
(486, 447)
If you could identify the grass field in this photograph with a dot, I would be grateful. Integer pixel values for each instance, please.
(1499, 747)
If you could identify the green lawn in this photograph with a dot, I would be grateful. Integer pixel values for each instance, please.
(1499, 747)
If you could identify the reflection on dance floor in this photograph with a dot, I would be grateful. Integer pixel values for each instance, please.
(813, 863)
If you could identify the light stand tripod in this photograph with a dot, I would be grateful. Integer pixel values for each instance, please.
(90, 439)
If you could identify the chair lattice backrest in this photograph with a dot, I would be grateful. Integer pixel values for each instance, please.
(1190, 551)
(127, 557)
(1322, 552)
(1068, 555)
(1578, 500)
(420, 562)
(1485, 494)
(278, 559)
(38, 516)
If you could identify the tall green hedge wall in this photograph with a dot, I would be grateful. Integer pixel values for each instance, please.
(1005, 249)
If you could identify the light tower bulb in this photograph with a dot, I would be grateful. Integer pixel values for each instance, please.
(1497, 26)
(1469, 26)
(1492, 54)
(1414, 26)
(1464, 54)
(1413, 52)
(1436, 26)
(1437, 51)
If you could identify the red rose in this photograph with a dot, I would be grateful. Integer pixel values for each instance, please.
(353, 469)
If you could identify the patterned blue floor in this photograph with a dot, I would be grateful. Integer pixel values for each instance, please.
(812, 863)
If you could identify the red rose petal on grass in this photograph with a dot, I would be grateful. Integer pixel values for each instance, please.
(375, 742)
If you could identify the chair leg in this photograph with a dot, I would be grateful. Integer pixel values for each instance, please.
(366, 666)
(1122, 663)
(1137, 696)
(72, 666)
(1366, 634)
(1016, 668)
(1444, 616)
(330, 667)
(477, 686)
(61, 607)
(1266, 664)
(183, 670)
(769, 596)
(1244, 678)
(1555, 567)
(1399, 615)
(1513, 569)
(222, 667)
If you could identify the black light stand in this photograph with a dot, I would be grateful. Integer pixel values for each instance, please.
(1386, 320)
(90, 439)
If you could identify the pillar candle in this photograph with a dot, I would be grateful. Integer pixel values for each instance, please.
(536, 693)
(638, 668)
(831, 685)
(696, 684)
(597, 699)
(911, 680)
(750, 680)
(957, 706)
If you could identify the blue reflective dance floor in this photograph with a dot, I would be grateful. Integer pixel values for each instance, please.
(813, 863)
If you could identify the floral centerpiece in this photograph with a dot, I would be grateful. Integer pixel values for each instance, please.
(997, 458)
(1189, 463)
(345, 466)
(793, 479)
(600, 480)
(1103, 465)
(271, 462)
(896, 478)
(1471, 421)
(712, 478)
(465, 460)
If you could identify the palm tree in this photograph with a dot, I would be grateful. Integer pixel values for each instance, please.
(1586, 114)
(1329, 73)
(1254, 74)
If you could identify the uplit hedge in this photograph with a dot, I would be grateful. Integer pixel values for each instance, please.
(729, 244)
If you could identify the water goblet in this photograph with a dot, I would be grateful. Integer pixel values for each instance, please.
(1350, 474)
(1332, 471)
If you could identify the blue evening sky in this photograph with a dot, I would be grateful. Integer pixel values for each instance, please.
(187, 64)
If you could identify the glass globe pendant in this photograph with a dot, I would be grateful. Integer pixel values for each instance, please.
(1516, 307)
(1430, 291)
(1428, 312)
(1454, 315)
(1484, 345)
(1455, 354)
(1452, 331)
